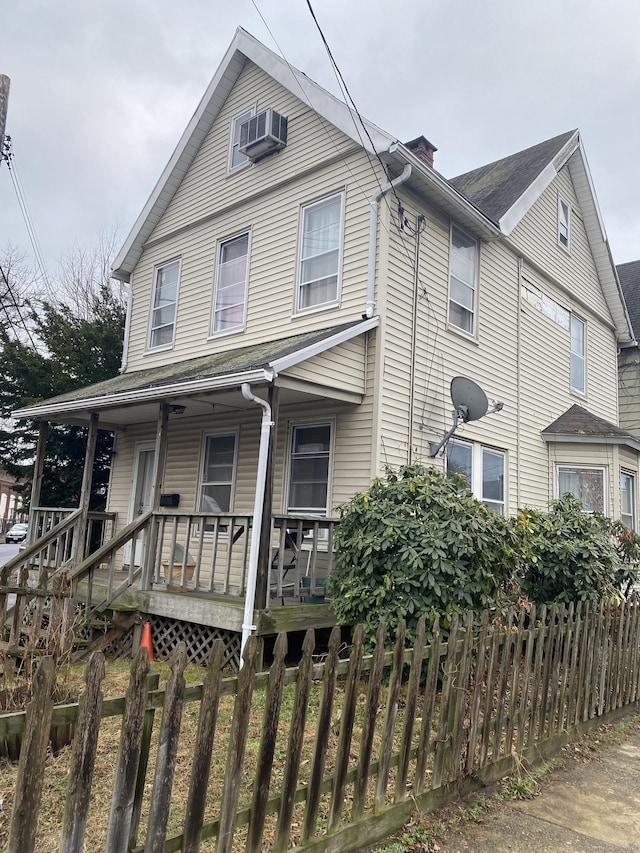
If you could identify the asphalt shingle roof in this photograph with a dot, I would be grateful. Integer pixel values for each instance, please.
(578, 421)
(496, 187)
(629, 275)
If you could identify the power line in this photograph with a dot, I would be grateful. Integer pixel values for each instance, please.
(24, 207)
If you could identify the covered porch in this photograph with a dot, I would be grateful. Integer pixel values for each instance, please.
(222, 486)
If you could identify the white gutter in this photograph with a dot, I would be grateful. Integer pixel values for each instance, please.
(157, 392)
(252, 573)
(373, 236)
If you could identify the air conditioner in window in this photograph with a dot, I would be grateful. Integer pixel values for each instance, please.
(263, 134)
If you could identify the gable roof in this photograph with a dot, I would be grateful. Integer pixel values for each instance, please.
(518, 181)
(243, 48)
(578, 424)
(496, 187)
(506, 189)
(222, 370)
(629, 275)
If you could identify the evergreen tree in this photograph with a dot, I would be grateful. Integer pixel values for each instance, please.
(72, 349)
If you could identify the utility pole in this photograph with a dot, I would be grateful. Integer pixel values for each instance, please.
(5, 82)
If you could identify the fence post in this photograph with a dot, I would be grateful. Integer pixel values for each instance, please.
(24, 815)
(74, 822)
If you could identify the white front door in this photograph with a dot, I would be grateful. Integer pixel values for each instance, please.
(141, 494)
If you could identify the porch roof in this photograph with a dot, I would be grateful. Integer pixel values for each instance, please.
(259, 363)
(579, 425)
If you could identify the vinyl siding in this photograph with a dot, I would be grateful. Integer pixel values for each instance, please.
(265, 199)
(629, 391)
(518, 355)
(536, 237)
(342, 367)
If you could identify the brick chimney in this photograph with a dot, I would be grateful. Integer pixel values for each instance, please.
(423, 149)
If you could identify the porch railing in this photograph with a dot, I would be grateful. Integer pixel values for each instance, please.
(210, 553)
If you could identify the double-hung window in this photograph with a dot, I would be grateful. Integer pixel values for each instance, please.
(462, 280)
(483, 468)
(564, 223)
(236, 158)
(320, 253)
(218, 472)
(628, 500)
(165, 301)
(578, 339)
(309, 468)
(231, 284)
(585, 483)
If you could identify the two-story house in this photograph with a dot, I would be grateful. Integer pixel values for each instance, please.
(303, 289)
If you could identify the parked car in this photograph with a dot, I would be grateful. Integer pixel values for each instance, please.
(17, 533)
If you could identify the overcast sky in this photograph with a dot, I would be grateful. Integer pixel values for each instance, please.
(101, 91)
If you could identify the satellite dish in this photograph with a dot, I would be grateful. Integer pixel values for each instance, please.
(469, 399)
(470, 403)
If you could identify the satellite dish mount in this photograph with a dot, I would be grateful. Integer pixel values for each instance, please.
(470, 404)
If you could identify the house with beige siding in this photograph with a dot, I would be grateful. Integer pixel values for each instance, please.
(303, 288)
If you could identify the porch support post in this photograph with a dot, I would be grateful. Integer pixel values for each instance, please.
(36, 482)
(77, 549)
(264, 555)
(157, 478)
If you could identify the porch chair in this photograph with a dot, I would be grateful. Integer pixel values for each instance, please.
(290, 555)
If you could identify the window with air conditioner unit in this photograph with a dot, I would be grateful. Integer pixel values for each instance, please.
(263, 134)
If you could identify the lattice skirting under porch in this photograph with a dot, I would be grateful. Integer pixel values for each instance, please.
(166, 633)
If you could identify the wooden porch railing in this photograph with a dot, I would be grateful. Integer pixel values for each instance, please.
(209, 553)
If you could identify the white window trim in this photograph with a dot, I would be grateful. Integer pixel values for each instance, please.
(331, 423)
(235, 431)
(632, 474)
(450, 325)
(580, 391)
(231, 169)
(169, 346)
(572, 466)
(323, 306)
(241, 326)
(477, 470)
(563, 201)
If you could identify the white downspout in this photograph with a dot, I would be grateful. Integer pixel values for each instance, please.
(252, 573)
(373, 236)
(127, 329)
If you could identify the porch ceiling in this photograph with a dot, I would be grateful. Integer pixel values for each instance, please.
(202, 383)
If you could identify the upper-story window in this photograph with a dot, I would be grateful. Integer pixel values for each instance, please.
(320, 253)
(483, 468)
(236, 157)
(231, 284)
(564, 223)
(462, 280)
(165, 301)
(578, 339)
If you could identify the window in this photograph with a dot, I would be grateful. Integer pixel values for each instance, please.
(578, 328)
(218, 472)
(320, 253)
(585, 483)
(231, 284)
(236, 157)
(483, 468)
(628, 500)
(309, 464)
(462, 280)
(564, 222)
(165, 300)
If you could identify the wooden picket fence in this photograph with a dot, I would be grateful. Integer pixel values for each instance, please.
(333, 754)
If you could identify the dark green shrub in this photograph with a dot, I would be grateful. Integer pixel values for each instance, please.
(417, 542)
(567, 554)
